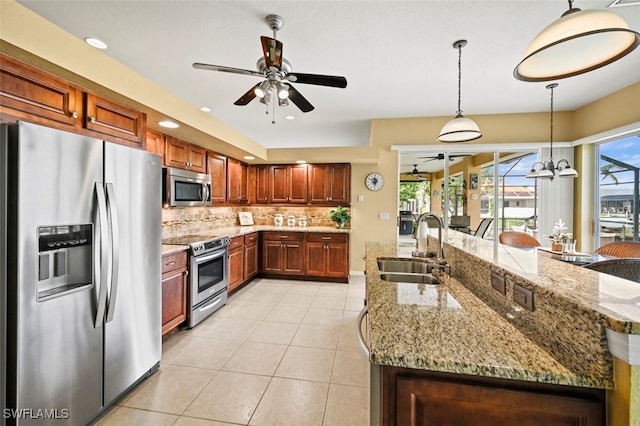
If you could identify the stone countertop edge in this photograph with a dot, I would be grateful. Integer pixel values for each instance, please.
(447, 328)
(173, 248)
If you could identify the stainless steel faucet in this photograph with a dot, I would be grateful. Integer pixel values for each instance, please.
(440, 261)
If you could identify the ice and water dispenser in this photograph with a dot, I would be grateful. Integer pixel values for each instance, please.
(64, 259)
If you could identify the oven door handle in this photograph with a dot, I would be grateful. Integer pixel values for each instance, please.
(205, 258)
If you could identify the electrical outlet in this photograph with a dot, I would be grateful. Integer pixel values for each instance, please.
(384, 216)
(523, 297)
(498, 283)
(360, 198)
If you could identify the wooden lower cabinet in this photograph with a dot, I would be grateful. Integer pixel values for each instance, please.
(327, 255)
(283, 253)
(418, 397)
(243, 259)
(174, 290)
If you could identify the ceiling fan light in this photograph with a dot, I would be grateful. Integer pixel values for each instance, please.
(460, 129)
(283, 90)
(262, 89)
(266, 99)
(578, 42)
(283, 102)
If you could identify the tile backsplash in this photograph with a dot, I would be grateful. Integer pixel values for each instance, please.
(193, 220)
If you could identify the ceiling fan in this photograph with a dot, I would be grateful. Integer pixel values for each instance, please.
(417, 174)
(441, 156)
(277, 74)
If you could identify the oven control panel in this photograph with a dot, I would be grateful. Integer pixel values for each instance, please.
(209, 246)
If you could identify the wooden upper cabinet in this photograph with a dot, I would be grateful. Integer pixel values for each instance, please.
(184, 155)
(27, 93)
(261, 183)
(288, 184)
(155, 142)
(108, 118)
(237, 181)
(330, 184)
(217, 166)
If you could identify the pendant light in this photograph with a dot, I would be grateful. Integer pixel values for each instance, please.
(548, 169)
(460, 129)
(580, 41)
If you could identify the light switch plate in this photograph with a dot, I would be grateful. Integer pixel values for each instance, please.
(384, 216)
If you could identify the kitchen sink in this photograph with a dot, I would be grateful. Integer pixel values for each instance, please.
(405, 266)
(409, 278)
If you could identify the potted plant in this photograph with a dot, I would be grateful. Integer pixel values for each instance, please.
(340, 216)
(558, 236)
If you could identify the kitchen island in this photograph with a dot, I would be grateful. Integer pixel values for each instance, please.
(463, 347)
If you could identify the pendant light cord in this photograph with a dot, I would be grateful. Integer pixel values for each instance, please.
(459, 112)
(551, 86)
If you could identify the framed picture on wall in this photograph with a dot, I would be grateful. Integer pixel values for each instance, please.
(474, 180)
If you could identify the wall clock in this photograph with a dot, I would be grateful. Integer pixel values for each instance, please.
(374, 181)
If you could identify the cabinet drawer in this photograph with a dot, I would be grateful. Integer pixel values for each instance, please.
(283, 236)
(324, 238)
(251, 238)
(174, 261)
(236, 242)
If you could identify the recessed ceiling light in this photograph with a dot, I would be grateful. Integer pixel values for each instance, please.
(249, 157)
(205, 109)
(98, 44)
(169, 124)
(290, 117)
(301, 162)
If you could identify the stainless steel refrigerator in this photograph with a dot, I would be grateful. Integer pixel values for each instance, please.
(81, 251)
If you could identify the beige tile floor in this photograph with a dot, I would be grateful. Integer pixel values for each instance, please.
(279, 353)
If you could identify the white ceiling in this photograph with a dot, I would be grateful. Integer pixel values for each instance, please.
(397, 57)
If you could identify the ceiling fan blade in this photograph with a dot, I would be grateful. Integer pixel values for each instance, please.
(272, 50)
(247, 97)
(299, 100)
(210, 67)
(317, 79)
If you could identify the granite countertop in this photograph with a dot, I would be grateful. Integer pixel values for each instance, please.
(447, 328)
(169, 245)
(614, 298)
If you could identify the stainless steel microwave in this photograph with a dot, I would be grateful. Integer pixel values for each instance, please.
(182, 188)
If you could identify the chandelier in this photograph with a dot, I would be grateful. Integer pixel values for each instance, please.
(549, 168)
(460, 129)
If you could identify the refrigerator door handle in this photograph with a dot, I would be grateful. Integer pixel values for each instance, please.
(115, 249)
(101, 257)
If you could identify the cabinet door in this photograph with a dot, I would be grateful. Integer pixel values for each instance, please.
(262, 184)
(316, 258)
(28, 93)
(318, 178)
(112, 119)
(337, 260)
(197, 158)
(243, 188)
(237, 188)
(250, 260)
(339, 181)
(176, 154)
(293, 258)
(236, 264)
(218, 170)
(174, 299)
(298, 184)
(279, 184)
(272, 257)
(155, 143)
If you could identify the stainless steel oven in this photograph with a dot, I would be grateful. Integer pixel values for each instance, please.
(209, 269)
(184, 188)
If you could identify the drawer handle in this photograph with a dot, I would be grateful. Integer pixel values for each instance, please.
(170, 263)
(326, 238)
(284, 236)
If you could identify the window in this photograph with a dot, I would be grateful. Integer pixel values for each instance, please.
(619, 170)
